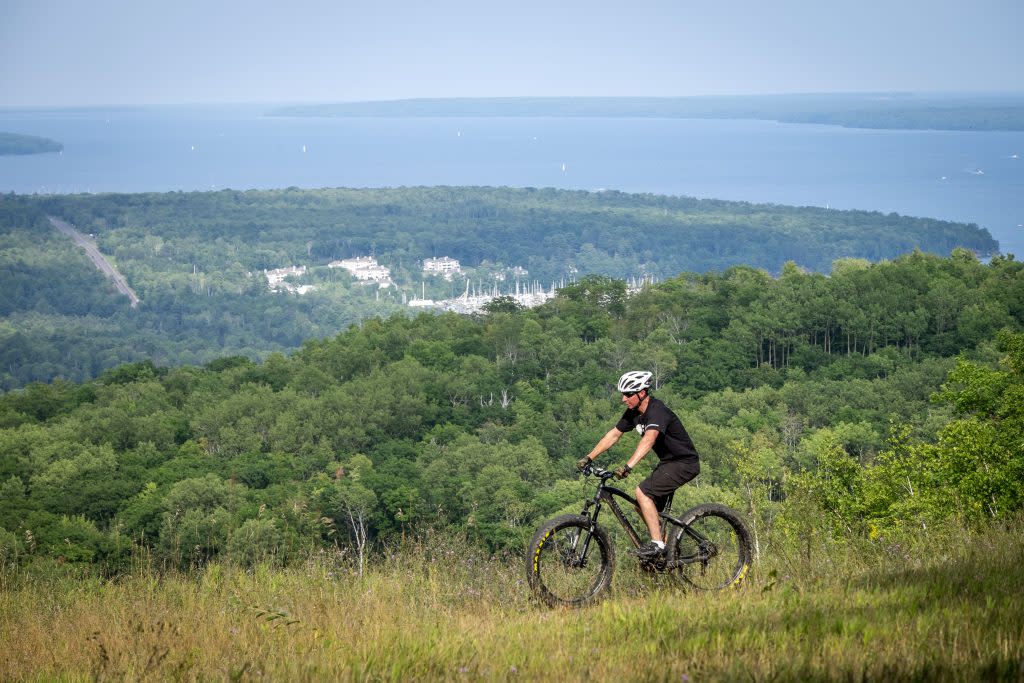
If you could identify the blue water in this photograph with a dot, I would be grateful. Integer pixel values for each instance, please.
(961, 176)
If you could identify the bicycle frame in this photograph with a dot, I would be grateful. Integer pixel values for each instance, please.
(606, 495)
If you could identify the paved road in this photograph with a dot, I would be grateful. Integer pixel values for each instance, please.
(99, 259)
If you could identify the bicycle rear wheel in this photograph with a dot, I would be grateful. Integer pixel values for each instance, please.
(567, 563)
(712, 551)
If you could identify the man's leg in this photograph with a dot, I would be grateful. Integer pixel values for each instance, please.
(649, 511)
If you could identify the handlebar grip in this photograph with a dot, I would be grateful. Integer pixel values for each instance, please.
(597, 471)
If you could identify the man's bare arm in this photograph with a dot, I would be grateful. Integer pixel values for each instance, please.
(643, 448)
(606, 442)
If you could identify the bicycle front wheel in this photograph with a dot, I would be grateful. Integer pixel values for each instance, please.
(712, 551)
(568, 563)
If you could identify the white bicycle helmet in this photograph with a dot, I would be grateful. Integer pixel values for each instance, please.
(633, 381)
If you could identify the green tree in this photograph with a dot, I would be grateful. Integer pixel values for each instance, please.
(347, 501)
(758, 465)
(198, 520)
(257, 541)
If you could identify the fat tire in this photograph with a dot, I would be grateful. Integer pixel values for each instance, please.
(677, 540)
(541, 552)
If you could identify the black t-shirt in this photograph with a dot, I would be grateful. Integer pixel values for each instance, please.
(673, 443)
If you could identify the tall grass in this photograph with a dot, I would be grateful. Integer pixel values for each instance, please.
(946, 606)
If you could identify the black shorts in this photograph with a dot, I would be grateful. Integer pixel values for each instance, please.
(666, 478)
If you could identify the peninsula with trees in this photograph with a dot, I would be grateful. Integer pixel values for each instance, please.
(17, 144)
(974, 112)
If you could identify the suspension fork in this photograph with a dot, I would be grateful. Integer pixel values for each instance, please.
(599, 495)
(581, 553)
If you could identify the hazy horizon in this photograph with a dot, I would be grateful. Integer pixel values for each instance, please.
(280, 103)
(59, 53)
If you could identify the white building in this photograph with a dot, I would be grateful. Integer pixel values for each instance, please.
(444, 266)
(276, 280)
(277, 275)
(364, 269)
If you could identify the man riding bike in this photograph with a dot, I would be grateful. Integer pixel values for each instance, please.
(661, 431)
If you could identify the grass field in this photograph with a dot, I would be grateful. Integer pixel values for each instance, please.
(942, 608)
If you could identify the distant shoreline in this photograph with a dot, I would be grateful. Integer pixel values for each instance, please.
(885, 111)
(16, 144)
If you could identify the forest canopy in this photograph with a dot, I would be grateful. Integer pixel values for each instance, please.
(197, 260)
(883, 398)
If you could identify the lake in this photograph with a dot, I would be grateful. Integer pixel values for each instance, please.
(961, 176)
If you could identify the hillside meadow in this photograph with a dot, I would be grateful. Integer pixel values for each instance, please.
(937, 605)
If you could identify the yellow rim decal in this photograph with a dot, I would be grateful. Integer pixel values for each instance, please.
(536, 555)
(743, 574)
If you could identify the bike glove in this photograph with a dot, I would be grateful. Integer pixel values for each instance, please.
(582, 463)
(623, 471)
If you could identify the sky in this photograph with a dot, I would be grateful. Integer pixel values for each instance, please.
(101, 52)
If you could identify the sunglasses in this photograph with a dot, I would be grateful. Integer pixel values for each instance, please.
(630, 394)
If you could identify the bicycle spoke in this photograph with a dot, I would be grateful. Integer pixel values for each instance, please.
(567, 573)
(713, 557)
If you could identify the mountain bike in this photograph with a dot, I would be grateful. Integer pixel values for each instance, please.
(571, 559)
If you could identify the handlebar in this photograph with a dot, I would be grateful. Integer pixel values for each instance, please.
(598, 471)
